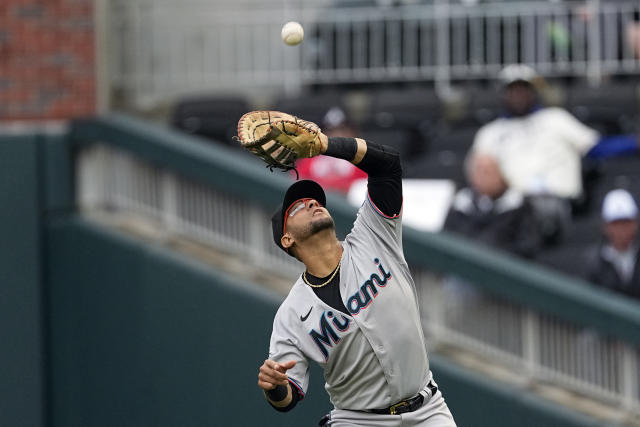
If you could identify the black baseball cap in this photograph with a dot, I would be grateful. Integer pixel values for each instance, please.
(305, 189)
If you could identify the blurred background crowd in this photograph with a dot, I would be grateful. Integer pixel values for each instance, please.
(530, 150)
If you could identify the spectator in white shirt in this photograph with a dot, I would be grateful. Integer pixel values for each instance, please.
(540, 149)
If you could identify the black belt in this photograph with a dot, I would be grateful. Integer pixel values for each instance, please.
(408, 405)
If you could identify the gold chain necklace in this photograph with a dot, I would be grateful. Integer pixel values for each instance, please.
(304, 277)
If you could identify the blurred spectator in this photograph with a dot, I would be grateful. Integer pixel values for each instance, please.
(540, 149)
(614, 263)
(330, 172)
(491, 213)
(632, 33)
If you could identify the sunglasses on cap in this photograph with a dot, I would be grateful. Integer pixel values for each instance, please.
(296, 207)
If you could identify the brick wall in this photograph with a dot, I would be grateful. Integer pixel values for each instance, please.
(47, 60)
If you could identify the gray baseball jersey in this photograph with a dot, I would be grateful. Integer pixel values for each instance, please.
(375, 355)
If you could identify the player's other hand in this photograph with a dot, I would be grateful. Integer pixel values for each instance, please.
(273, 374)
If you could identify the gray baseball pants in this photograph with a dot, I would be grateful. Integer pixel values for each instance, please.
(433, 413)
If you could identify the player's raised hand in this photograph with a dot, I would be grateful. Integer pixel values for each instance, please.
(272, 374)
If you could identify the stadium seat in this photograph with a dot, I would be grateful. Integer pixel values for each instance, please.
(444, 164)
(623, 165)
(584, 231)
(610, 109)
(617, 172)
(458, 140)
(400, 139)
(312, 107)
(484, 105)
(568, 259)
(212, 117)
(407, 109)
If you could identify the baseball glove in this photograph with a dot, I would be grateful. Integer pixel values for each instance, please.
(278, 138)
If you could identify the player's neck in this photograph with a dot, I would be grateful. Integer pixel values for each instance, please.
(321, 255)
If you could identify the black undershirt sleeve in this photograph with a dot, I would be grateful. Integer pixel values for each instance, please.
(382, 164)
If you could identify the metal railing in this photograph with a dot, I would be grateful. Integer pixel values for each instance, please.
(112, 180)
(538, 347)
(163, 49)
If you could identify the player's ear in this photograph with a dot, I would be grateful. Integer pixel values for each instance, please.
(287, 240)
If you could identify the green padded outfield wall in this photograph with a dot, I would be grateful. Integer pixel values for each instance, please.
(21, 337)
(134, 335)
(144, 337)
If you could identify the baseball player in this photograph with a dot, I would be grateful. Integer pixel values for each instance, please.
(353, 310)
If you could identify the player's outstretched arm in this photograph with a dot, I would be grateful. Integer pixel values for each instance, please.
(273, 379)
(350, 149)
(380, 162)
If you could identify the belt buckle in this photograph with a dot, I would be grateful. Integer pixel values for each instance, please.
(392, 408)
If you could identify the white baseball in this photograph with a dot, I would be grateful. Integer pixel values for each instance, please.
(292, 33)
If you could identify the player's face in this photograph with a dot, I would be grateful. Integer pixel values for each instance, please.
(306, 217)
